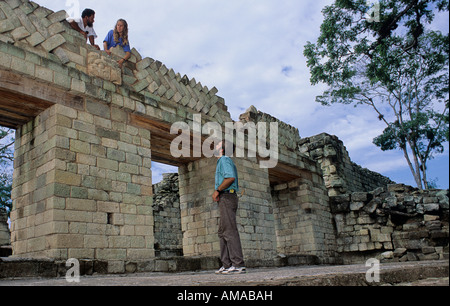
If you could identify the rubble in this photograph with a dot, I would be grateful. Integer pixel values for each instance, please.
(398, 222)
(167, 216)
(5, 236)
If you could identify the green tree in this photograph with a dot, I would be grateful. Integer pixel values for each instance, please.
(393, 63)
(6, 158)
(5, 192)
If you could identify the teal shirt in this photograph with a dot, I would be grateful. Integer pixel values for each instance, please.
(226, 169)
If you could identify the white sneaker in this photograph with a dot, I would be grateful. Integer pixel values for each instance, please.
(221, 270)
(234, 270)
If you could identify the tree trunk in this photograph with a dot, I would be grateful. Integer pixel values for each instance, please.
(424, 172)
(411, 167)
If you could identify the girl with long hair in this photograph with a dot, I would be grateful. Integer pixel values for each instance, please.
(118, 37)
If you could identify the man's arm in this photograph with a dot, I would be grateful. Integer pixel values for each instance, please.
(226, 183)
(75, 26)
(92, 41)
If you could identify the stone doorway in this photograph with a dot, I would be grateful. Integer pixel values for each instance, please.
(166, 212)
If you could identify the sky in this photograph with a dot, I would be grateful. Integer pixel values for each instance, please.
(252, 52)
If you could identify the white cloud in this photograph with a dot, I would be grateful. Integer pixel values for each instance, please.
(159, 169)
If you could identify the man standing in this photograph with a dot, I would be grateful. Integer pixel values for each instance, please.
(227, 187)
(85, 25)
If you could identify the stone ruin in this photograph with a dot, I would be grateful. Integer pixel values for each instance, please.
(167, 215)
(392, 223)
(396, 222)
(5, 237)
(87, 132)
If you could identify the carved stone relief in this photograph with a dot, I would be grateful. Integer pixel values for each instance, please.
(105, 68)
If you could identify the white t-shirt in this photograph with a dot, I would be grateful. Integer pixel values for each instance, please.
(80, 23)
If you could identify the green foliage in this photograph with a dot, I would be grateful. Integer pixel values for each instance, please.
(6, 143)
(5, 192)
(396, 66)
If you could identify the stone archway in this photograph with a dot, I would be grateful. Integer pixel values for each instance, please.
(87, 133)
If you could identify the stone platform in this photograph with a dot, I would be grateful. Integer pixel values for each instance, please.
(429, 272)
(14, 267)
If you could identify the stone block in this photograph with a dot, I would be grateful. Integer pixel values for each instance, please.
(75, 58)
(78, 85)
(430, 208)
(141, 85)
(387, 255)
(53, 42)
(356, 206)
(62, 55)
(98, 109)
(44, 74)
(5, 236)
(115, 266)
(14, 3)
(80, 146)
(62, 80)
(144, 64)
(359, 197)
(20, 33)
(58, 16)
(428, 250)
(6, 26)
(56, 28)
(102, 132)
(64, 241)
(436, 234)
(81, 204)
(5, 60)
(22, 66)
(67, 178)
(35, 39)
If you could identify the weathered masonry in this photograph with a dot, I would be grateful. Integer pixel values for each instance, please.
(87, 132)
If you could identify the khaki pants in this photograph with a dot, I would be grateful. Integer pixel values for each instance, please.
(230, 242)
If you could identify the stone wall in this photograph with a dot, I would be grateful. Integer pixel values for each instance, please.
(303, 220)
(82, 190)
(167, 217)
(288, 135)
(200, 215)
(256, 222)
(5, 236)
(395, 223)
(340, 174)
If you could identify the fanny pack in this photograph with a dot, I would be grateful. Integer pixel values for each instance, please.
(231, 191)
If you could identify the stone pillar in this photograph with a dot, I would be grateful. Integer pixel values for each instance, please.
(303, 219)
(82, 186)
(255, 216)
(5, 236)
(200, 216)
